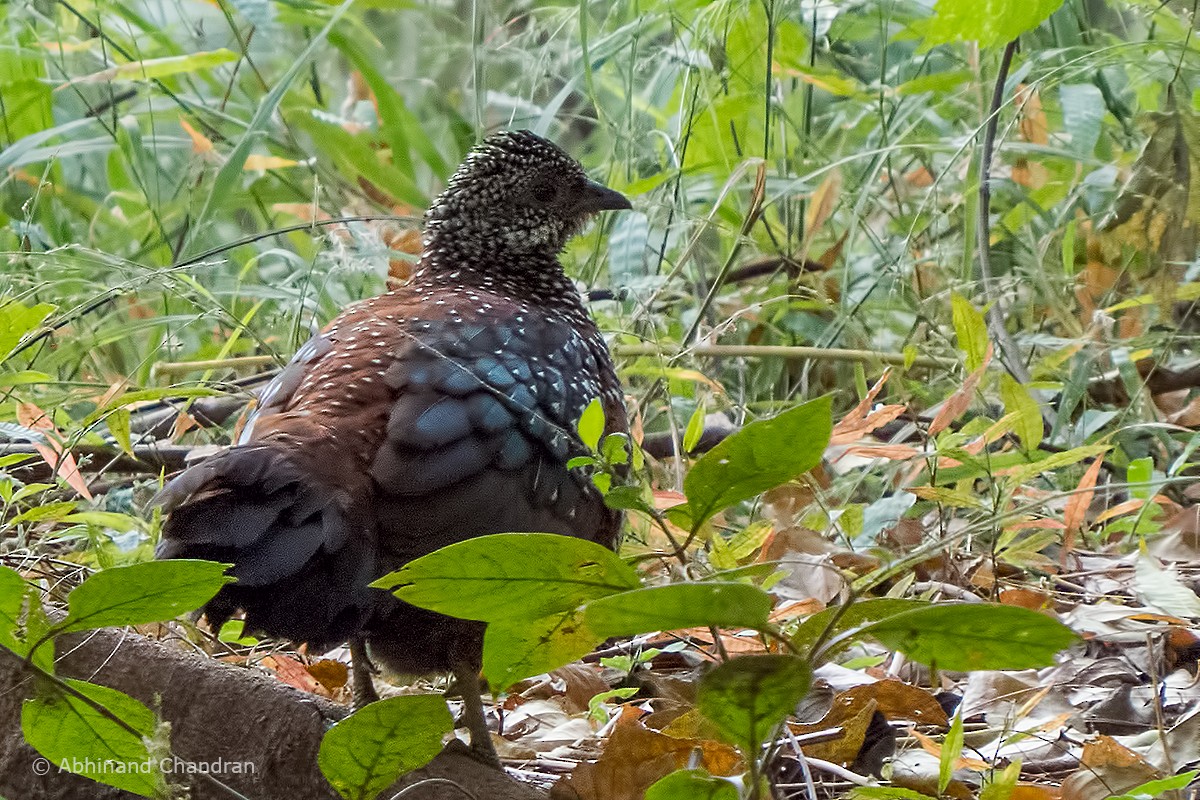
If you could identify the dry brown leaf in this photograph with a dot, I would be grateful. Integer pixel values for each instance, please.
(201, 144)
(331, 674)
(894, 452)
(1075, 514)
(853, 719)
(1032, 118)
(822, 203)
(958, 402)
(1032, 599)
(635, 757)
(291, 672)
(51, 449)
(581, 683)
(896, 700)
(935, 749)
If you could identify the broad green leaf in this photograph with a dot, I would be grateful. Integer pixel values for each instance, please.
(515, 649)
(973, 636)
(77, 737)
(971, 330)
(511, 575)
(38, 630)
(1139, 475)
(692, 784)
(591, 424)
(679, 605)
(367, 751)
(17, 320)
(1018, 401)
(746, 698)
(12, 597)
(760, 456)
(832, 621)
(152, 591)
(992, 23)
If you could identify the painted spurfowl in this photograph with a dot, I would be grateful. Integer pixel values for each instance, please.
(441, 411)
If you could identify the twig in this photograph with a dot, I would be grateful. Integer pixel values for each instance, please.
(783, 351)
(997, 311)
(236, 362)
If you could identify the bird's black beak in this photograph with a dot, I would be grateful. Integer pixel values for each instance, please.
(597, 197)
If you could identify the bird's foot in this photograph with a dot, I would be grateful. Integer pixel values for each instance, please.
(362, 685)
(466, 682)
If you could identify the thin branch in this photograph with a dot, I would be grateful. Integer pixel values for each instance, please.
(784, 351)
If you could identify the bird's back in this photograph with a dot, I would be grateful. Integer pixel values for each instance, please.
(416, 419)
(435, 413)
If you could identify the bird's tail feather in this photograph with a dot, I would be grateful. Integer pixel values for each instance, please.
(301, 559)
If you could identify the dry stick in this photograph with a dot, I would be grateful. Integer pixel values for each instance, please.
(1010, 353)
(996, 311)
(783, 351)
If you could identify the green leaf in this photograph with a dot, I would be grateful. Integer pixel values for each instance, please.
(367, 751)
(515, 649)
(139, 593)
(118, 425)
(17, 320)
(971, 330)
(839, 619)
(760, 456)
(1083, 111)
(1056, 461)
(887, 793)
(1152, 790)
(591, 424)
(160, 67)
(695, 429)
(973, 636)
(989, 22)
(679, 605)
(1018, 401)
(12, 597)
(536, 574)
(748, 697)
(951, 749)
(75, 736)
(692, 784)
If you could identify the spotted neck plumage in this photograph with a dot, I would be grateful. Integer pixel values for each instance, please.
(454, 260)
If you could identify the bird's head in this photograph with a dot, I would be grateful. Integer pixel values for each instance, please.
(515, 194)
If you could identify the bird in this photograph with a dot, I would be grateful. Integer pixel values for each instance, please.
(443, 410)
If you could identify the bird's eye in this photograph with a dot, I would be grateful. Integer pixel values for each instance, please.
(543, 192)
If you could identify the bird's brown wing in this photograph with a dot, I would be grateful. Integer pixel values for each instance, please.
(406, 425)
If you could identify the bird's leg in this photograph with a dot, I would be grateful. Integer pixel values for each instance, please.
(466, 681)
(362, 686)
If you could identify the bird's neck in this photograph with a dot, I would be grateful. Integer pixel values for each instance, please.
(536, 278)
